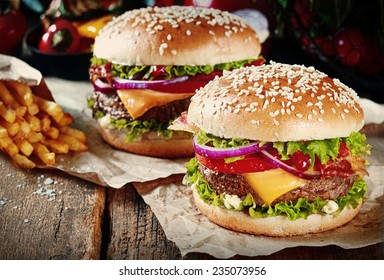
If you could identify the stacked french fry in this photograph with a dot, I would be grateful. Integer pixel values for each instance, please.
(33, 128)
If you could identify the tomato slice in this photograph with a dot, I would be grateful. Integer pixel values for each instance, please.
(250, 163)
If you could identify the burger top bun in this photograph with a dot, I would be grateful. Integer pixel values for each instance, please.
(276, 102)
(176, 35)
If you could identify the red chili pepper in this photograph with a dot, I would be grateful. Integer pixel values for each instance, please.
(61, 37)
(13, 26)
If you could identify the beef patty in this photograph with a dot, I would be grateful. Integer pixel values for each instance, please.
(112, 105)
(236, 184)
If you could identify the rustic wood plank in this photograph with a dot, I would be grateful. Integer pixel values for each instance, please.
(47, 214)
(135, 233)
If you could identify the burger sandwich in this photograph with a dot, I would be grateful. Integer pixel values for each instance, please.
(148, 63)
(277, 150)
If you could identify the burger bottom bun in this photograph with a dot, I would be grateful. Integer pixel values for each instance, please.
(150, 144)
(273, 226)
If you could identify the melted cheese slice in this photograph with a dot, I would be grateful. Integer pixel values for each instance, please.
(139, 101)
(273, 183)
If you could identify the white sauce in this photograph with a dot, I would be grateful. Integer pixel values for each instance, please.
(330, 207)
(105, 121)
(232, 201)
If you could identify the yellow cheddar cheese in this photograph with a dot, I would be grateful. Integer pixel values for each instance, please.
(139, 101)
(273, 183)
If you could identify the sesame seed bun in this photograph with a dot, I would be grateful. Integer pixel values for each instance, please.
(278, 226)
(276, 102)
(176, 35)
(150, 144)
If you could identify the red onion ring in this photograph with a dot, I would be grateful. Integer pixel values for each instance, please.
(279, 164)
(99, 85)
(120, 83)
(212, 152)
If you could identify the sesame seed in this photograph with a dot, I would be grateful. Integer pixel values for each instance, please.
(255, 122)
(276, 134)
(188, 32)
(275, 122)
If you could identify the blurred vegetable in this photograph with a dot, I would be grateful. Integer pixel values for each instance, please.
(221, 5)
(347, 32)
(60, 37)
(13, 25)
(90, 29)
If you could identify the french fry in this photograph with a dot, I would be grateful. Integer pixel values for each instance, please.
(56, 146)
(20, 111)
(8, 146)
(42, 152)
(66, 120)
(32, 125)
(22, 92)
(23, 161)
(24, 95)
(52, 132)
(34, 122)
(35, 137)
(3, 132)
(74, 144)
(51, 108)
(12, 128)
(67, 130)
(45, 121)
(10, 101)
(25, 128)
(24, 146)
(7, 97)
(7, 113)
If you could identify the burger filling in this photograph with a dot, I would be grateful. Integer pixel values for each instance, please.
(295, 179)
(111, 113)
(146, 98)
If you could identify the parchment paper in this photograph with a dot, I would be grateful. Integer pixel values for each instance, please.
(183, 224)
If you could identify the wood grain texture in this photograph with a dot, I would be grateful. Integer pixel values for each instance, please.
(46, 214)
(134, 230)
(80, 220)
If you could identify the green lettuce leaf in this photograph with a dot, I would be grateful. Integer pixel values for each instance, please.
(357, 143)
(323, 149)
(171, 71)
(302, 208)
(134, 128)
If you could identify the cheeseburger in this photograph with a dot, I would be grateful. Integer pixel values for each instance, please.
(148, 63)
(277, 150)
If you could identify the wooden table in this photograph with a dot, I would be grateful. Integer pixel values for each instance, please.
(47, 214)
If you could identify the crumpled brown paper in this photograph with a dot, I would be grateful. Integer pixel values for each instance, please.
(12, 68)
(183, 224)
